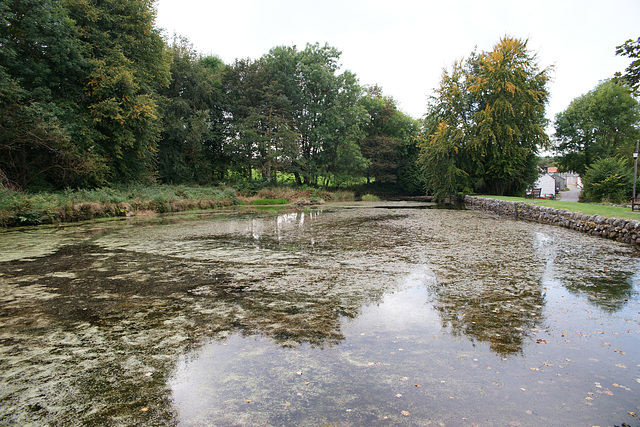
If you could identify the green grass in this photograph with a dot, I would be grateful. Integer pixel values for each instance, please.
(263, 202)
(585, 208)
(370, 198)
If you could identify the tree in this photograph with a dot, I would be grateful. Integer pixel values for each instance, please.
(128, 64)
(192, 121)
(41, 80)
(292, 110)
(602, 123)
(389, 142)
(631, 77)
(486, 122)
(510, 92)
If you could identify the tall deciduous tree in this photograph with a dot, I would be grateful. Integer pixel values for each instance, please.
(388, 142)
(128, 65)
(486, 122)
(631, 77)
(189, 149)
(599, 124)
(42, 71)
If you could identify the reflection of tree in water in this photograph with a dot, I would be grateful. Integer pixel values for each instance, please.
(500, 314)
(606, 285)
(608, 290)
(100, 331)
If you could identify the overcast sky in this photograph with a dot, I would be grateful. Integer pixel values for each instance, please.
(404, 45)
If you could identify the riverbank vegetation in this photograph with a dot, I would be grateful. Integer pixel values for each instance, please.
(21, 208)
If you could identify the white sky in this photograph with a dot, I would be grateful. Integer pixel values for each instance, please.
(403, 45)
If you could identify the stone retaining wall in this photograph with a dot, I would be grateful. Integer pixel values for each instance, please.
(622, 230)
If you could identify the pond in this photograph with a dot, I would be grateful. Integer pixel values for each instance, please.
(386, 313)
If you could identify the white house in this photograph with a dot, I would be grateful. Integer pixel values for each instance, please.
(548, 185)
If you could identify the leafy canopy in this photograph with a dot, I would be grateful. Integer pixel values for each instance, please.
(599, 124)
(486, 122)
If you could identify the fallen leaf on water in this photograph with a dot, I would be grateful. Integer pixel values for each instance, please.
(540, 341)
(607, 391)
(307, 383)
(398, 395)
(620, 365)
(248, 401)
(619, 351)
(299, 373)
(633, 414)
(417, 385)
(529, 412)
(405, 413)
(144, 409)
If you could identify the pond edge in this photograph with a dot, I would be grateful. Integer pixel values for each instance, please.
(621, 230)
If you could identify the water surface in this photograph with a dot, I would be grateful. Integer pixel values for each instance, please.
(361, 314)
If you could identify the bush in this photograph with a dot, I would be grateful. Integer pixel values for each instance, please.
(608, 180)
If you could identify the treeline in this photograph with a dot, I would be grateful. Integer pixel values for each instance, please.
(92, 95)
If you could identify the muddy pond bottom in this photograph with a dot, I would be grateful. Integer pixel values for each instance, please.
(353, 315)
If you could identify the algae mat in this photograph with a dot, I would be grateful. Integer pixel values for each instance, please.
(354, 314)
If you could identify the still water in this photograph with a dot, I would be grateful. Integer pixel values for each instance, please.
(358, 314)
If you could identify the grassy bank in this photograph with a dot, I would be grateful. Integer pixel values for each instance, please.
(585, 208)
(17, 208)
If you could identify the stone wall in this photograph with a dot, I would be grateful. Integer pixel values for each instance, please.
(622, 230)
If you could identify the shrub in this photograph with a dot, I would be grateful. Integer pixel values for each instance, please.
(608, 180)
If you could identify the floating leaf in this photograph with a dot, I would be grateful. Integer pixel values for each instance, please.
(620, 365)
(405, 413)
(398, 395)
(619, 351)
(287, 403)
(144, 409)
